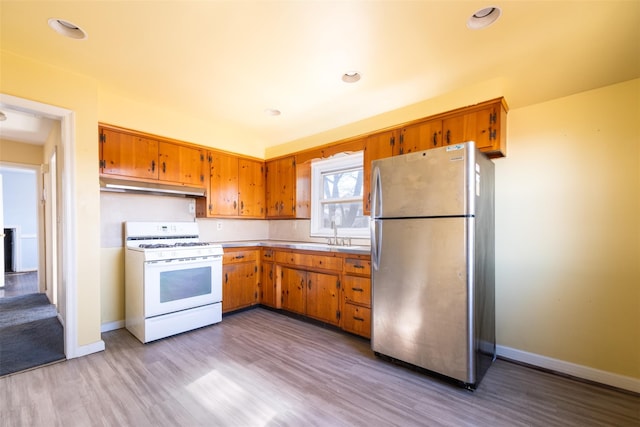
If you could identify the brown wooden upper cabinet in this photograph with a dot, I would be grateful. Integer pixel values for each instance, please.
(137, 156)
(281, 188)
(128, 155)
(377, 146)
(418, 137)
(484, 123)
(179, 163)
(236, 187)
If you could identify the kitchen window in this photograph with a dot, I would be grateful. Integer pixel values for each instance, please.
(336, 197)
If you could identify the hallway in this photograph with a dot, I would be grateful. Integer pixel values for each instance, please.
(30, 333)
(16, 284)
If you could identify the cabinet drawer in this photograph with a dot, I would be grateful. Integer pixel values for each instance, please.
(268, 255)
(357, 266)
(329, 262)
(307, 260)
(239, 256)
(357, 320)
(357, 290)
(294, 258)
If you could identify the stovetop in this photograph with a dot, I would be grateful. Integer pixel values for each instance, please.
(168, 240)
(173, 245)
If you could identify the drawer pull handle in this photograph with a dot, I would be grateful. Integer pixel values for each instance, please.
(358, 266)
(360, 319)
(357, 289)
(240, 257)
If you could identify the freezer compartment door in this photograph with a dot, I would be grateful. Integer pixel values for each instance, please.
(436, 182)
(421, 286)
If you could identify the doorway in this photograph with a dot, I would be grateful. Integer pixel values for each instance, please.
(64, 268)
(22, 231)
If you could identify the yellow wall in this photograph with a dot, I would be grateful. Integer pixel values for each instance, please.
(119, 110)
(16, 152)
(38, 82)
(462, 97)
(568, 230)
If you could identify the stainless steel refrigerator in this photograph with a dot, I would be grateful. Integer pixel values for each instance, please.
(433, 261)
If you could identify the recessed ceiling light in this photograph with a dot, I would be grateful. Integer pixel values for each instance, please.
(351, 77)
(67, 29)
(272, 112)
(484, 17)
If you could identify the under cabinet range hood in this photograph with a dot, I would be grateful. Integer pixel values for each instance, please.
(123, 185)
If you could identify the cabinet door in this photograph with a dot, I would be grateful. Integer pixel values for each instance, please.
(420, 136)
(268, 294)
(281, 188)
(455, 130)
(239, 286)
(223, 186)
(377, 146)
(294, 284)
(489, 127)
(481, 126)
(323, 301)
(251, 188)
(181, 164)
(128, 155)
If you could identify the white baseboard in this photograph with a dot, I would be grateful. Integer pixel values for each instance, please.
(84, 350)
(579, 371)
(112, 326)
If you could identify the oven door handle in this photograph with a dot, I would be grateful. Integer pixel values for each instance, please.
(179, 261)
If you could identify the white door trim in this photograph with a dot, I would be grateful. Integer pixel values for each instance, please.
(70, 271)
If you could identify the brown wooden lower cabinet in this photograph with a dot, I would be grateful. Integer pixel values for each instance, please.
(293, 285)
(323, 297)
(334, 288)
(313, 294)
(240, 278)
(357, 320)
(269, 294)
(356, 296)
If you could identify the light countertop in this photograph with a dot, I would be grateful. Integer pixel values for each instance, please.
(308, 246)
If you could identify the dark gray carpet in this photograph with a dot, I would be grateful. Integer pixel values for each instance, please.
(30, 333)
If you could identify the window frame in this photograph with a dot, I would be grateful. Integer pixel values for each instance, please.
(336, 163)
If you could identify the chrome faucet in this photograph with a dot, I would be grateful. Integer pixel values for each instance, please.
(335, 232)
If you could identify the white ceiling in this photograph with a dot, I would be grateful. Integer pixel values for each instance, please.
(230, 60)
(23, 126)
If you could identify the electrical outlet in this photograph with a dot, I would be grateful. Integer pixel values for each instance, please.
(218, 226)
(192, 207)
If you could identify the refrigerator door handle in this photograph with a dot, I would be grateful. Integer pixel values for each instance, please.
(376, 198)
(376, 209)
(376, 243)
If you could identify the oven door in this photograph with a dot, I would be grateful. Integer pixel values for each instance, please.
(174, 285)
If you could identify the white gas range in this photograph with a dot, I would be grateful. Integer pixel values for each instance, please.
(173, 282)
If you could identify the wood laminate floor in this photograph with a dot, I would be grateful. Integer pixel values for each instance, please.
(261, 368)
